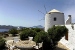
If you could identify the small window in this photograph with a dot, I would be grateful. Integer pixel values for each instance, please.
(49, 13)
(55, 19)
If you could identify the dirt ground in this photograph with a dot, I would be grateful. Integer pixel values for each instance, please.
(60, 46)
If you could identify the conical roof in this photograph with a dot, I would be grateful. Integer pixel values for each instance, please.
(54, 10)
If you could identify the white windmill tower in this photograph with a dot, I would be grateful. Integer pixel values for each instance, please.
(53, 17)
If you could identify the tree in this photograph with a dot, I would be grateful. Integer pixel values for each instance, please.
(43, 37)
(37, 29)
(56, 33)
(26, 33)
(51, 38)
(13, 31)
(40, 37)
(32, 33)
(2, 43)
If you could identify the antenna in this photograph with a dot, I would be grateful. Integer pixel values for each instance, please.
(45, 8)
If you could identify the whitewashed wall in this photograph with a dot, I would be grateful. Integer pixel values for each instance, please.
(71, 38)
(68, 21)
(49, 19)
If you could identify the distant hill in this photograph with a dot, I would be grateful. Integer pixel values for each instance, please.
(5, 28)
(9, 27)
(38, 26)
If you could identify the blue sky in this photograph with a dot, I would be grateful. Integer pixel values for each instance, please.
(25, 12)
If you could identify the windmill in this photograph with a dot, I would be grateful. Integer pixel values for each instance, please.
(43, 13)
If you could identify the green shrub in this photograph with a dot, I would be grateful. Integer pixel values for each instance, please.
(2, 43)
(56, 33)
(51, 38)
(13, 32)
(40, 37)
(37, 29)
(32, 33)
(24, 34)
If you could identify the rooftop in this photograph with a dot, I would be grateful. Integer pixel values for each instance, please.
(54, 10)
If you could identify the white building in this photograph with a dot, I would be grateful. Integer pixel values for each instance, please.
(55, 17)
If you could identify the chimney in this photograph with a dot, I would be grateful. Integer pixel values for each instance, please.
(68, 21)
(70, 18)
(69, 15)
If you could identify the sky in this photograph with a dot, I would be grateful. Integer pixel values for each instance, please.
(25, 12)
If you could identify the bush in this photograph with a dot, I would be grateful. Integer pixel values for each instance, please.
(40, 37)
(2, 43)
(56, 33)
(37, 29)
(51, 38)
(32, 33)
(43, 37)
(13, 32)
(24, 34)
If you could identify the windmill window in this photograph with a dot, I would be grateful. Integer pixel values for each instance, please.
(55, 18)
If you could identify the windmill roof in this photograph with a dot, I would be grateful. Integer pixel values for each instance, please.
(54, 10)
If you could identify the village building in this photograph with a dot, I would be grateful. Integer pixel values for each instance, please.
(55, 17)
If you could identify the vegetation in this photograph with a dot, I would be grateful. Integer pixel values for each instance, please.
(56, 33)
(24, 34)
(37, 29)
(32, 33)
(50, 39)
(13, 31)
(40, 37)
(2, 43)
